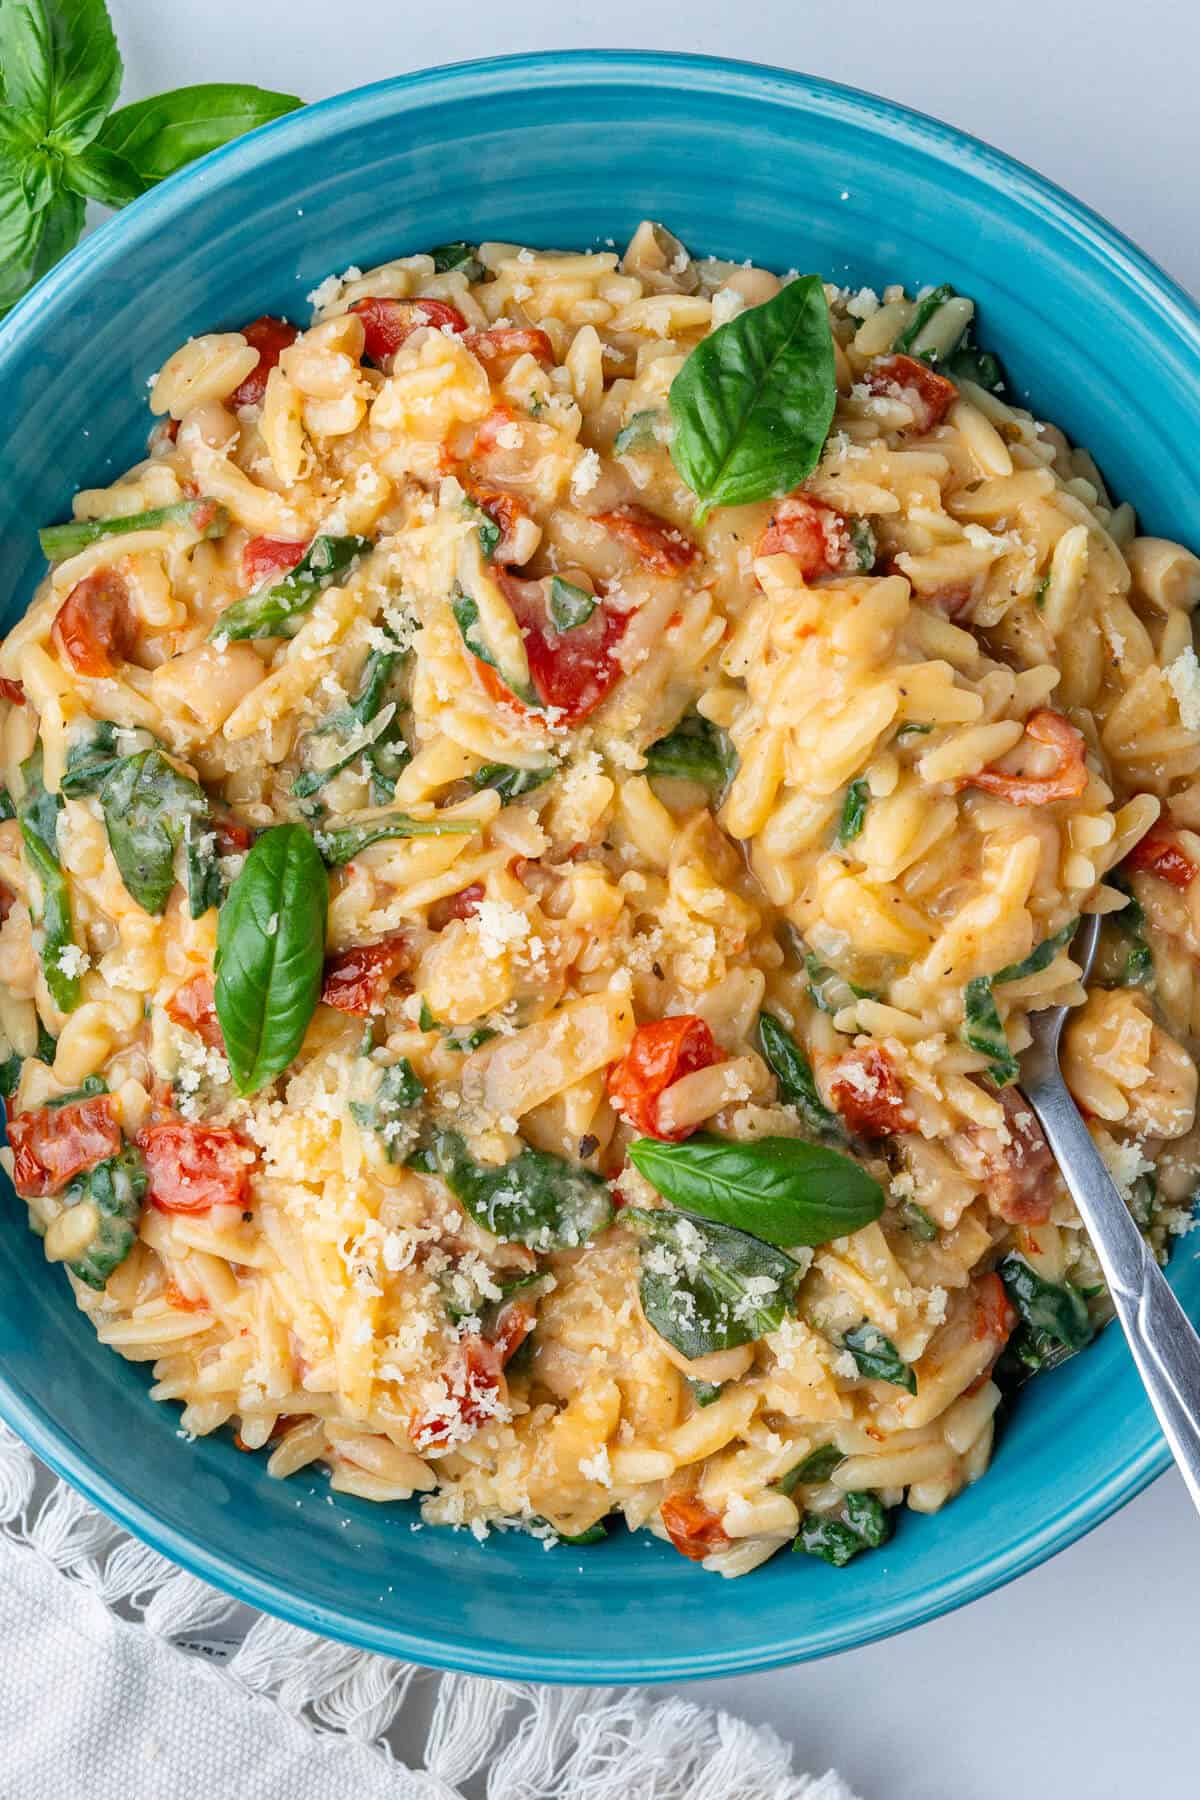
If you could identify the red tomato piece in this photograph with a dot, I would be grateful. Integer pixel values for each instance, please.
(572, 670)
(1159, 854)
(194, 1167)
(357, 980)
(7, 901)
(659, 1055)
(94, 628)
(504, 510)
(192, 1006)
(814, 535)
(1067, 782)
(462, 905)
(12, 691)
(487, 432)
(867, 1091)
(474, 1387)
(514, 1325)
(270, 337)
(264, 558)
(904, 377)
(174, 1296)
(499, 348)
(692, 1527)
(54, 1144)
(1022, 1176)
(661, 546)
(995, 1315)
(232, 836)
(386, 323)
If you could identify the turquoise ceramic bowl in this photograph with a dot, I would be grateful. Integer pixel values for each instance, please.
(572, 150)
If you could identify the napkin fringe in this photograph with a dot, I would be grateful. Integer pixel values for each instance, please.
(522, 1740)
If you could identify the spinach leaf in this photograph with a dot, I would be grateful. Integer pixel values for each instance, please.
(968, 363)
(864, 546)
(270, 951)
(10, 1075)
(783, 1190)
(878, 1358)
(148, 808)
(363, 709)
(754, 401)
(205, 883)
(918, 1221)
(204, 516)
(641, 433)
(7, 809)
(1054, 1308)
(1040, 957)
(47, 1047)
(344, 842)
(793, 1071)
(92, 1085)
(854, 811)
(92, 755)
(278, 610)
(115, 1189)
(487, 530)
(459, 255)
(983, 1031)
(697, 750)
(922, 314)
(536, 1199)
(474, 635)
(38, 815)
(829, 991)
(569, 605)
(397, 1093)
(831, 1539)
(817, 1466)
(706, 1287)
(509, 781)
(594, 1534)
(704, 1392)
(155, 137)
(62, 69)
(1130, 922)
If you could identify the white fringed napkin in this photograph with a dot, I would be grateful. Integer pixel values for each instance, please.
(103, 1699)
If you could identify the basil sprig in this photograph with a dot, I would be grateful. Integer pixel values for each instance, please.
(783, 1190)
(38, 816)
(535, 1199)
(115, 1189)
(346, 841)
(60, 541)
(753, 403)
(270, 950)
(706, 1287)
(278, 610)
(61, 143)
(878, 1358)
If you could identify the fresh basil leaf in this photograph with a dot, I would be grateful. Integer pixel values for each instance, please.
(203, 516)
(569, 605)
(783, 1190)
(753, 403)
(922, 314)
(31, 243)
(270, 952)
(536, 1199)
(38, 816)
(878, 1358)
(459, 255)
(61, 67)
(793, 1072)
(39, 178)
(1040, 957)
(854, 811)
(817, 1466)
(100, 174)
(1055, 1308)
(115, 1190)
(397, 1093)
(164, 133)
(147, 806)
(508, 781)
(918, 1221)
(346, 841)
(278, 610)
(984, 1031)
(697, 750)
(705, 1392)
(706, 1287)
(641, 433)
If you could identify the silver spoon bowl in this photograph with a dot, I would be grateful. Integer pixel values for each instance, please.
(1165, 1345)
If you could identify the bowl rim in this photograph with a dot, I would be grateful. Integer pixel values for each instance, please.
(1159, 292)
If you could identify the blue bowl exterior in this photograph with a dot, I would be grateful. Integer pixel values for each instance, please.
(566, 150)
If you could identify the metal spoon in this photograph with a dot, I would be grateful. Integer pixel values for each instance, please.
(1165, 1346)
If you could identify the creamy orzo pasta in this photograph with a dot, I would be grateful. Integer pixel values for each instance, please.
(535, 821)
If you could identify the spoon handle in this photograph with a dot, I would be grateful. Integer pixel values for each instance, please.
(1165, 1345)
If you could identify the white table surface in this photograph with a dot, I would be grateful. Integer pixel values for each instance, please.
(1081, 1678)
